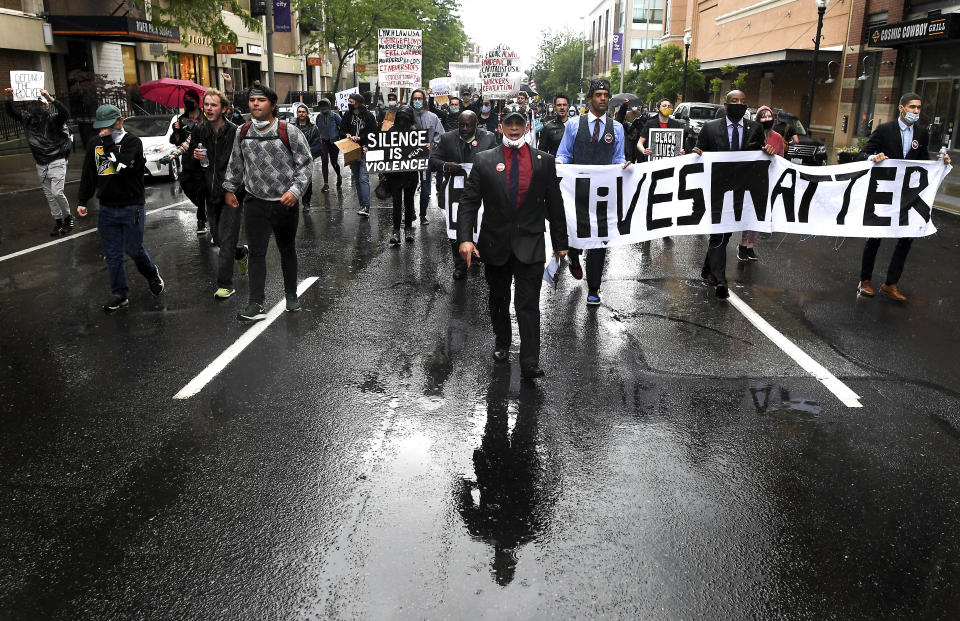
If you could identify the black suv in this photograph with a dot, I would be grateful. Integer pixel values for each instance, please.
(808, 150)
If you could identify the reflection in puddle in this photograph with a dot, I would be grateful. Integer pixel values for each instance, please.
(768, 399)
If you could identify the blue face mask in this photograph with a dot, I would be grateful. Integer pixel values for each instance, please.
(417, 104)
(454, 109)
(911, 117)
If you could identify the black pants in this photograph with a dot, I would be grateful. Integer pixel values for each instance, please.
(193, 185)
(716, 260)
(225, 229)
(305, 201)
(895, 269)
(261, 218)
(596, 259)
(527, 304)
(403, 205)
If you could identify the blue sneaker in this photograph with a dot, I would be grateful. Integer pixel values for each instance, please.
(593, 299)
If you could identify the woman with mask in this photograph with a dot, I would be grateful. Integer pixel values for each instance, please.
(191, 175)
(403, 184)
(488, 118)
(357, 124)
(424, 119)
(765, 116)
(328, 122)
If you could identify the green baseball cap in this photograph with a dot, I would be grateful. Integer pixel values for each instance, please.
(107, 115)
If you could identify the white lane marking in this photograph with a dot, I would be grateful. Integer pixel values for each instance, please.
(19, 253)
(221, 361)
(811, 366)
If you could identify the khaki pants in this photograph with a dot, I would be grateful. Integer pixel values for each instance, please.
(52, 178)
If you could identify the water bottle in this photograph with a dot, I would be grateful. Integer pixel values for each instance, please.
(942, 153)
(204, 162)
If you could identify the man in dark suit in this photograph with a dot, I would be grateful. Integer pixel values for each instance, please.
(456, 147)
(518, 187)
(899, 139)
(730, 133)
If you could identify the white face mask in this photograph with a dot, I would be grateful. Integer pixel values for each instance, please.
(117, 134)
(513, 144)
(261, 125)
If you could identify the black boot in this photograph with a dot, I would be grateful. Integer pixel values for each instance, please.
(57, 228)
(67, 224)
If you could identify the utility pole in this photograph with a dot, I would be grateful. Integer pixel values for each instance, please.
(269, 30)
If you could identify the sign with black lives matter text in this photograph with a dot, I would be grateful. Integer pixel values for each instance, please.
(747, 191)
(665, 143)
(399, 58)
(500, 73)
(396, 151)
(26, 85)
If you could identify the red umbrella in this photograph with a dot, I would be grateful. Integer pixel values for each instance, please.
(169, 92)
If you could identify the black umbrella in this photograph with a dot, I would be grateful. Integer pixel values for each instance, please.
(624, 98)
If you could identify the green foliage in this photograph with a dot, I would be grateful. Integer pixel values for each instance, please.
(557, 67)
(659, 74)
(202, 17)
(350, 26)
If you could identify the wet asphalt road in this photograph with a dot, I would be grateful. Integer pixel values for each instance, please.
(365, 459)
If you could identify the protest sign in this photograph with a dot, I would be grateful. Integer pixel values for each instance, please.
(398, 151)
(26, 85)
(399, 58)
(465, 74)
(500, 73)
(665, 143)
(343, 98)
(440, 87)
(726, 192)
(453, 190)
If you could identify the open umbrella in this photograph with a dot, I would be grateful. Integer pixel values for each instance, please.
(624, 98)
(169, 92)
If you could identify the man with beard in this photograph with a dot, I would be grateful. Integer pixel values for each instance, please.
(519, 189)
(552, 132)
(595, 140)
(50, 145)
(315, 140)
(730, 133)
(457, 147)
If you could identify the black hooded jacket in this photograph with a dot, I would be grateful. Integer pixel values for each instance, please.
(46, 136)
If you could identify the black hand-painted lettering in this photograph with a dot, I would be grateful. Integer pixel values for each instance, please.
(812, 182)
(582, 199)
(739, 178)
(787, 193)
(852, 178)
(654, 199)
(602, 230)
(699, 203)
(624, 221)
(910, 195)
(876, 197)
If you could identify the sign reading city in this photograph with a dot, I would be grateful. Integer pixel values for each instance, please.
(500, 73)
(399, 58)
(665, 143)
(398, 151)
(281, 15)
(26, 85)
(616, 55)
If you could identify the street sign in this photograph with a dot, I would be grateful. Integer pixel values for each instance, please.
(226, 48)
(314, 61)
(581, 95)
(616, 57)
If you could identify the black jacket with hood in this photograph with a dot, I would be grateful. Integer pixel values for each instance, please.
(46, 135)
(219, 145)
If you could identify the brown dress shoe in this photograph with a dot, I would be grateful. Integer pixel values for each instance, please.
(865, 289)
(892, 292)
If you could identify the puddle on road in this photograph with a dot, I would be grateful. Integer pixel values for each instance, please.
(777, 400)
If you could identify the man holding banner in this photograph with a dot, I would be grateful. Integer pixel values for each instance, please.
(518, 188)
(596, 140)
(454, 148)
(731, 133)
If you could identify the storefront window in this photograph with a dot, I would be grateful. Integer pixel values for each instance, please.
(129, 54)
(867, 94)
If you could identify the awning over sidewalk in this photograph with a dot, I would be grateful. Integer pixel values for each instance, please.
(113, 28)
(778, 56)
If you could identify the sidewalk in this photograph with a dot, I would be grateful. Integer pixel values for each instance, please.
(18, 173)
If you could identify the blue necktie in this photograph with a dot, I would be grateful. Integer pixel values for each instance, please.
(515, 178)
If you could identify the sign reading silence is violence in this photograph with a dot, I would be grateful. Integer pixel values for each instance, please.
(397, 151)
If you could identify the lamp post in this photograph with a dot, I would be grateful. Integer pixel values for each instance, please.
(821, 8)
(687, 40)
(583, 44)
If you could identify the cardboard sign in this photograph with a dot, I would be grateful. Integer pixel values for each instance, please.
(398, 151)
(500, 73)
(665, 143)
(399, 58)
(26, 85)
(440, 87)
(388, 118)
(343, 98)
(442, 99)
(350, 149)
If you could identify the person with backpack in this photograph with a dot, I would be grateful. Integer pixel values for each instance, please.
(50, 143)
(271, 161)
(328, 122)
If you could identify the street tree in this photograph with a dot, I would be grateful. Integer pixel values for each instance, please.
(202, 17)
(661, 73)
(558, 63)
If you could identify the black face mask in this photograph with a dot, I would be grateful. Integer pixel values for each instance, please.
(735, 112)
(403, 124)
(189, 105)
(767, 124)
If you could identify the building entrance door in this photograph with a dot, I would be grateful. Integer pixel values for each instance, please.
(939, 111)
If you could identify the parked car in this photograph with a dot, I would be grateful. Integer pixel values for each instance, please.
(695, 114)
(808, 151)
(154, 131)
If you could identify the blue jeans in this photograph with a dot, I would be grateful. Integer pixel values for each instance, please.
(425, 190)
(361, 180)
(121, 230)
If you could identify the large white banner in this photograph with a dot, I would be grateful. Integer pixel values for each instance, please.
(452, 193)
(500, 73)
(726, 192)
(465, 74)
(399, 58)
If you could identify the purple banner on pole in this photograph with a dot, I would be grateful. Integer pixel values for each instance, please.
(281, 15)
(617, 57)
